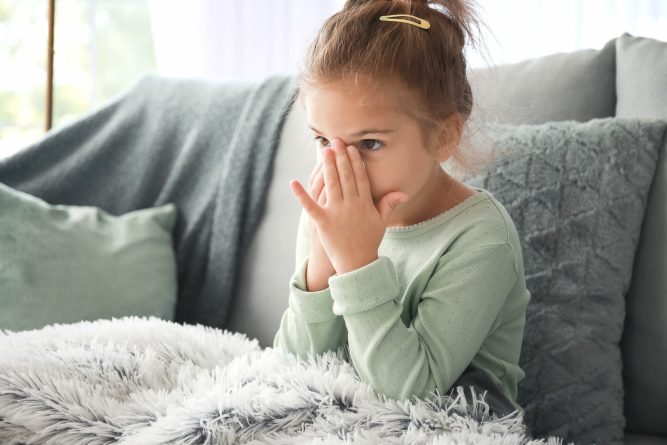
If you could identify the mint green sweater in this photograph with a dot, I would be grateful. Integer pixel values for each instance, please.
(443, 293)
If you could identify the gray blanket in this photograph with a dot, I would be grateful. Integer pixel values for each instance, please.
(206, 146)
(144, 381)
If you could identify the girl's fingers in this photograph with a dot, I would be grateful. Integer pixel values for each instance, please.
(318, 185)
(305, 200)
(363, 184)
(317, 168)
(315, 184)
(322, 197)
(331, 181)
(345, 173)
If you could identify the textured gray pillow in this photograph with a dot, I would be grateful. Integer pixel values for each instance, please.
(577, 194)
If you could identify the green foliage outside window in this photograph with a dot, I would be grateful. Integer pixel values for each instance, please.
(101, 48)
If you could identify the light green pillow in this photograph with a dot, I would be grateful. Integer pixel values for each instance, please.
(64, 264)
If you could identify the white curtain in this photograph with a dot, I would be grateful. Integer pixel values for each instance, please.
(522, 29)
(234, 39)
(250, 39)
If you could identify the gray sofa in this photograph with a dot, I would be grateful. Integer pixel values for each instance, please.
(626, 78)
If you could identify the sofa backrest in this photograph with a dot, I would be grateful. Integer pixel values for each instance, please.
(565, 86)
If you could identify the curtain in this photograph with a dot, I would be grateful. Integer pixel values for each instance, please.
(522, 29)
(234, 39)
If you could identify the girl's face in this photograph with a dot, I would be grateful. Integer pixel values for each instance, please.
(389, 142)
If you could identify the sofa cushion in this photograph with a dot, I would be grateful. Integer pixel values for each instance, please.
(64, 264)
(641, 81)
(577, 86)
(577, 194)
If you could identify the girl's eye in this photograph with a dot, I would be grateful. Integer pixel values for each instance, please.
(364, 144)
(318, 139)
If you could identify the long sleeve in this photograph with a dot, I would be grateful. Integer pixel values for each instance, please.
(456, 310)
(308, 325)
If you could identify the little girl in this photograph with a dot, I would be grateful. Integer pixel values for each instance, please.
(419, 275)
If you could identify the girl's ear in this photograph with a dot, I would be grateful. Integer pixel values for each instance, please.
(450, 137)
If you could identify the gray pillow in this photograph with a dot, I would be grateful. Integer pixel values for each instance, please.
(577, 194)
(64, 264)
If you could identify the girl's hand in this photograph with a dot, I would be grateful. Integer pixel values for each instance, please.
(316, 191)
(349, 225)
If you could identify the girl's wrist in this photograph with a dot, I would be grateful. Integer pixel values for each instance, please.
(355, 264)
(317, 277)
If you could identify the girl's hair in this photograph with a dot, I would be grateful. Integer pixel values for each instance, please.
(422, 71)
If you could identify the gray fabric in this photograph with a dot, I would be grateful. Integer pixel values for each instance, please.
(578, 86)
(641, 81)
(205, 146)
(577, 194)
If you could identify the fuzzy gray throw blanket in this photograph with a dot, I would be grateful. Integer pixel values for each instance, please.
(148, 381)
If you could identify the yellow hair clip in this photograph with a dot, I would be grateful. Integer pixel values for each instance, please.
(424, 24)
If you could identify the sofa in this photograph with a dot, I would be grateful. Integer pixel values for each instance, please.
(627, 77)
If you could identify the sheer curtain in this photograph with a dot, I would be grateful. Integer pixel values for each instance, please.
(250, 39)
(522, 29)
(233, 39)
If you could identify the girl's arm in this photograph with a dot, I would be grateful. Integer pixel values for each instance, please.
(308, 325)
(457, 309)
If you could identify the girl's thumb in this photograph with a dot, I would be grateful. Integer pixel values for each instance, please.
(389, 202)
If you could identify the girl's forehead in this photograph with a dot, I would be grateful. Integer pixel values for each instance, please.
(360, 89)
(332, 95)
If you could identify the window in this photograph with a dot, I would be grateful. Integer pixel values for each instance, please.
(101, 47)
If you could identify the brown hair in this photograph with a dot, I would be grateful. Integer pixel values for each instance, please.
(425, 69)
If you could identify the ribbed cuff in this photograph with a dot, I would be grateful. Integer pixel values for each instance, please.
(364, 288)
(311, 307)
